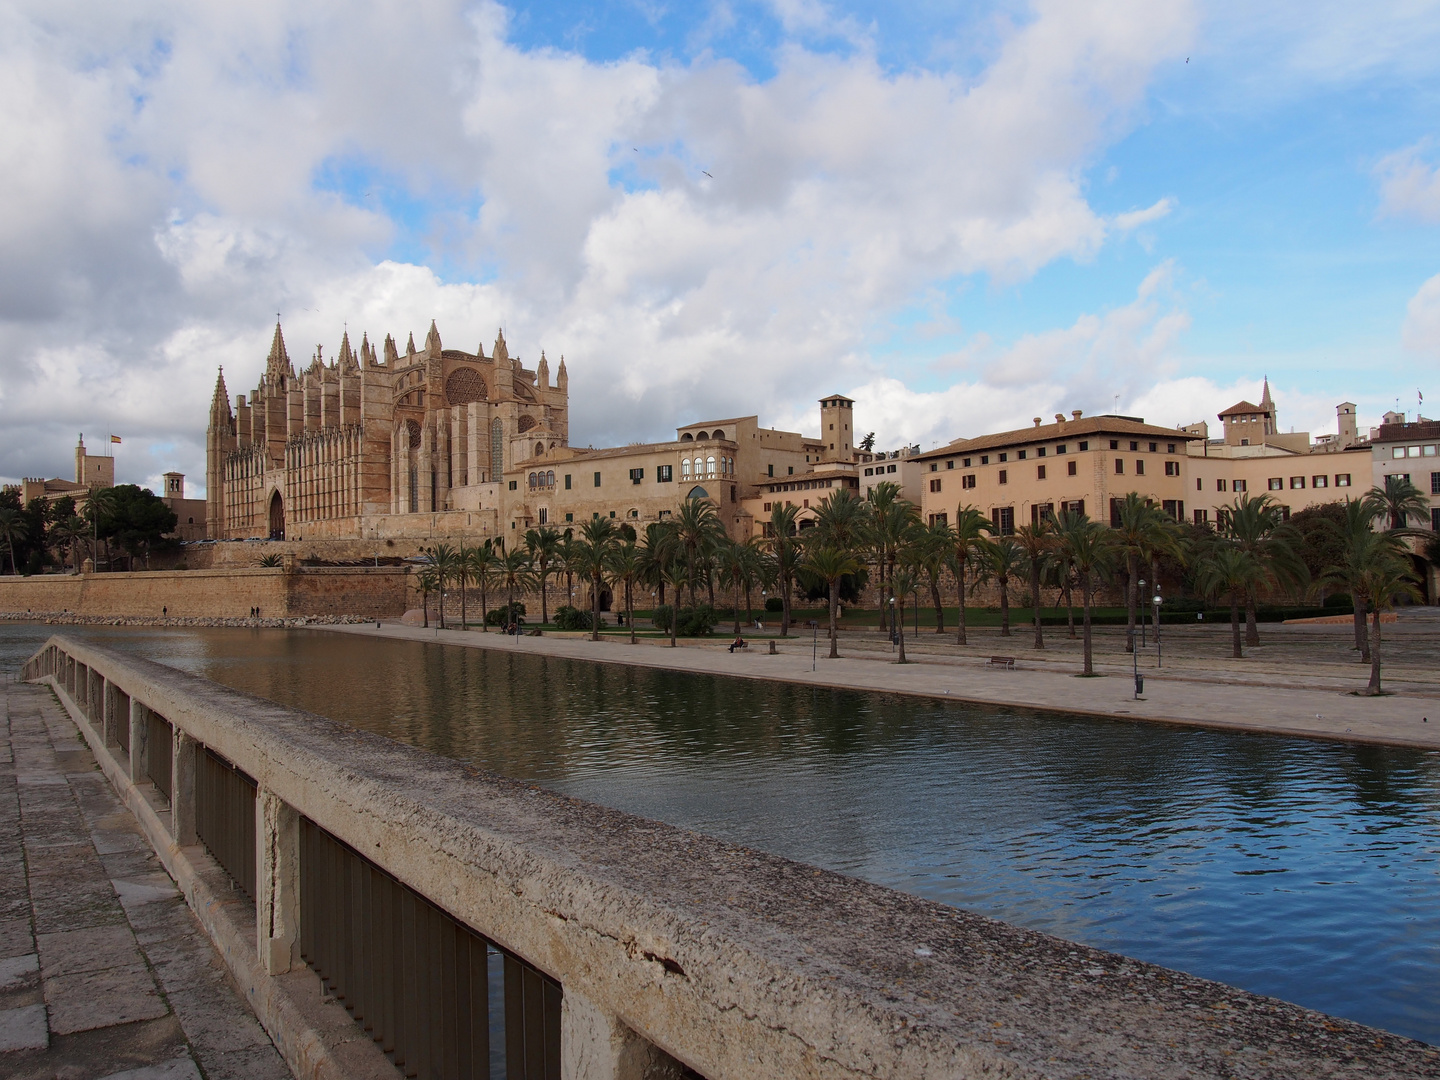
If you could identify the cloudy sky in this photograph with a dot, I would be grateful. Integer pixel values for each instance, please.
(961, 214)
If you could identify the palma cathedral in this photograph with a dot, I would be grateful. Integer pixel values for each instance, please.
(326, 451)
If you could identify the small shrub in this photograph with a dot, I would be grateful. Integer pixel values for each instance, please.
(505, 614)
(774, 603)
(1338, 600)
(661, 617)
(569, 618)
(270, 560)
(693, 623)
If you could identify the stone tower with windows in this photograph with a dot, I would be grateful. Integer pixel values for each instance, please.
(837, 428)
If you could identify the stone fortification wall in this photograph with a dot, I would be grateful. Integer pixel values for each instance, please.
(214, 593)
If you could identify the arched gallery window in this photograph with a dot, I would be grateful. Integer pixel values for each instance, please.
(710, 466)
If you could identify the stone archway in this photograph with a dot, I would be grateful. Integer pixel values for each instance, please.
(277, 517)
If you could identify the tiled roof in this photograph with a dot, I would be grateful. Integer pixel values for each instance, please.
(1070, 429)
(1242, 408)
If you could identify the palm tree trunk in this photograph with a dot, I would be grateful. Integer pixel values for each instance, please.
(1252, 632)
(834, 628)
(1374, 688)
(675, 617)
(464, 617)
(1085, 599)
(595, 609)
(1069, 609)
(749, 610)
(1130, 589)
(1235, 627)
(425, 608)
(544, 595)
(630, 607)
(1004, 607)
(785, 606)
(484, 626)
(1362, 640)
(939, 607)
(1035, 603)
(735, 599)
(900, 633)
(960, 577)
(442, 603)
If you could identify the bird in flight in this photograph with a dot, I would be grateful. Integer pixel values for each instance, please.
(707, 174)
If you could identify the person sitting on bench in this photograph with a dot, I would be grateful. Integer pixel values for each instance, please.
(738, 643)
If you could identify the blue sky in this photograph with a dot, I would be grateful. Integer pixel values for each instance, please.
(960, 215)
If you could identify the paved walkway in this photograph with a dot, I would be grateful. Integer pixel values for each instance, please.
(104, 971)
(1326, 712)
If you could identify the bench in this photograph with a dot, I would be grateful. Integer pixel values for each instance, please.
(1007, 662)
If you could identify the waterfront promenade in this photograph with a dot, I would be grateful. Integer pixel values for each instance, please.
(1275, 695)
(104, 970)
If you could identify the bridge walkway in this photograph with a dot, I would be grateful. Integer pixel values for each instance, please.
(104, 970)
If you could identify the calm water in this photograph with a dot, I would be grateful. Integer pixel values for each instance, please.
(1300, 869)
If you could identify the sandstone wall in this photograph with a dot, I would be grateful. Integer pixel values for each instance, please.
(214, 593)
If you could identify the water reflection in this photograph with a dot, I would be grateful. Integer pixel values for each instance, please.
(1300, 869)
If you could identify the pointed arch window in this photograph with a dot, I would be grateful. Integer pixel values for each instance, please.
(497, 448)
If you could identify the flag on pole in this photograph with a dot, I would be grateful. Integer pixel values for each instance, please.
(115, 438)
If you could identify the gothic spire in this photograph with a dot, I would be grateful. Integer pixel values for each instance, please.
(392, 357)
(278, 362)
(346, 359)
(410, 345)
(432, 341)
(562, 377)
(220, 402)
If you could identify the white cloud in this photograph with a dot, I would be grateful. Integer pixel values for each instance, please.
(1409, 184)
(1133, 219)
(182, 160)
(1421, 332)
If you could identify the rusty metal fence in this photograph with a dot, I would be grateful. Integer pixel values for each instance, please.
(422, 984)
(225, 817)
(159, 752)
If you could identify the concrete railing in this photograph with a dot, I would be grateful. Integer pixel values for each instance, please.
(664, 951)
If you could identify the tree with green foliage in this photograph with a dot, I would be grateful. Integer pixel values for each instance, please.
(887, 526)
(597, 537)
(13, 529)
(904, 579)
(543, 546)
(1397, 502)
(513, 569)
(445, 560)
(970, 529)
(70, 533)
(783, 540)
(829, 563)
(133, 517)
(1256, 524)
(1089, 547)
(626, 566)
(1143, 533)
(932, 549)
(1036, 543)
(426, 582)
(1228, 569)
(697, 525)
(1001, 559)
(659, 545)
(480, 564)
(1377, 570)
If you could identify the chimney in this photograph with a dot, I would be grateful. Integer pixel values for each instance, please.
(1037, 421)
(1076, 413)
(1060, 418)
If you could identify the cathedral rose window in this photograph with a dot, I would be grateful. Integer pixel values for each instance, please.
(463, 386)
(525, 423)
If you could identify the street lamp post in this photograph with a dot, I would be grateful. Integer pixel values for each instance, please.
(1158, 601)
(1139, 593)
(892, 624)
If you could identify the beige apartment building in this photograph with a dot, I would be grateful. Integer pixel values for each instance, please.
(1080, 464)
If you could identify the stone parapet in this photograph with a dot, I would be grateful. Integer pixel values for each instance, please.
(734, 962)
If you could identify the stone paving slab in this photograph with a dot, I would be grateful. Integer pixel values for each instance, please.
(104, 971)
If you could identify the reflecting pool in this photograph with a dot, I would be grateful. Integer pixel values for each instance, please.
(1301, 869)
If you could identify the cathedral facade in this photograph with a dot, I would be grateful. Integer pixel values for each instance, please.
(344, 449)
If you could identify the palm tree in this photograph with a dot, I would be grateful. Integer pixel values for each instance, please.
(480, 567)
(1002, 559)
(463, 554)
(697, 523)
(903, 580)
(514, 570)
(71, 532)
(740, 565)
(673, 572)
(626, 565)
(13, 529)
(1144, 531)
(1229, 569)
(1060, 575)
(1398, 501)
(568, 556)
(1035, 543)
(597, 537)
(543, 545)
(886, 533)
(659, 546)
(1089, 547)
(445, 560)
(1363, 550)
(1257, 525)
(970, 529)
(829, 563)
(426, 582)
(1388, 577)
(785, 550)
(841, 521)
(931, 551)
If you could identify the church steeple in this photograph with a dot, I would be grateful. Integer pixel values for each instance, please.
(220, 402)
(278, 362)
(500, 352)
(1272, 422)
(542, 370)
(392, 357)
(410, 347)
(562, 377)
(346, 359)
(432, 341)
